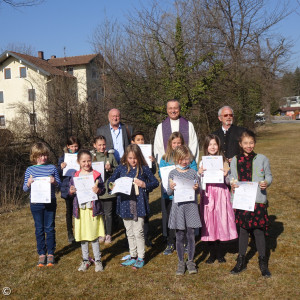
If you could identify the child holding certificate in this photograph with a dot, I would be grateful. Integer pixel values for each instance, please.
(249, 166)
(72, 147)
(107, 200)
(139, 139)
(217, 216)
(175, 140)
(88, 220)
(134, 206)
(43, 212)
(184, 215)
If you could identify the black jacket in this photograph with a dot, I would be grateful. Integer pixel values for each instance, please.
(230, 141)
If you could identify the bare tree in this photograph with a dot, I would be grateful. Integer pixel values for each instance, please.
(207, 53)
(20, 48)
(21, 3)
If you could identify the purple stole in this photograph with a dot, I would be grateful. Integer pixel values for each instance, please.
(167, 131)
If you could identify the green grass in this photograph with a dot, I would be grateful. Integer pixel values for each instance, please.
(279, 142)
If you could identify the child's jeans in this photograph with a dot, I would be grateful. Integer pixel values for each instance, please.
(135, 236)
(44, 221)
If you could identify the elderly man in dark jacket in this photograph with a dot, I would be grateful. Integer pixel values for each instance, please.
(229, 134)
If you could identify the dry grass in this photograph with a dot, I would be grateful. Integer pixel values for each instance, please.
(280, 142)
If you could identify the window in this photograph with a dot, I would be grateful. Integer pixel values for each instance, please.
(2, 121)
(70, 70)
(95, 74)
(31, 94)
(32, 118)
(1, 97)
(7, 73)
(23, 73)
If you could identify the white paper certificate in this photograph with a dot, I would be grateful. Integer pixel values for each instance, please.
(164, 174)
(41, 190)
(84, 185)
(184, 191)
(245, 195)
(147, 151)
(72, 164)
(99, 167)
(213, 165)
(123, 185)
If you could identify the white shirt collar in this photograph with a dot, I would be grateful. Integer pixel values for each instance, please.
(113, 128)
(224, 130)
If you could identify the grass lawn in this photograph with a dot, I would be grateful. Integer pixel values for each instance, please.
(157, 280)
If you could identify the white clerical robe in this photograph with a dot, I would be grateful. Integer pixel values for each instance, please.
(159, 149)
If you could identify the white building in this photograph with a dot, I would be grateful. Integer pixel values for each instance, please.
(26, 82)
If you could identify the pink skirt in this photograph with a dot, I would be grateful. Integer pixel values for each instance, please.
(217, 215)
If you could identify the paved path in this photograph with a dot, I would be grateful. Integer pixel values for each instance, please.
(285, 121)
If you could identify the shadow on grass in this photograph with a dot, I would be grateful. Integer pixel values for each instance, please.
(154, 234)
(155, 231)
(275, 230)
(66, 250)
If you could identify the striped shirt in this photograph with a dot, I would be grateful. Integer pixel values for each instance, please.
(41, 171)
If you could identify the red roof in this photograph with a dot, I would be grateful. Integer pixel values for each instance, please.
(41, 63)
(72, 60)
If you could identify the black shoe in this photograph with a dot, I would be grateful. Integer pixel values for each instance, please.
(148, 243)
(169, 250)
(263, 265)
(210, 260)
(240, 265)
(221, 260)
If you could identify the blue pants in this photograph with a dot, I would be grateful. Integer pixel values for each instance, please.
(44, 221)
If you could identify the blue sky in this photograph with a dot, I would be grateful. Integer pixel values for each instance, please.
(56, 24)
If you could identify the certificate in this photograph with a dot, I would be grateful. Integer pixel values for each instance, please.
(184, 191)
(147, 151)
(84, 185)
(123, 185)
(213, 165)
(99, 167)
(40, 190)
(164, 174)
(72, 164)
(244, 196)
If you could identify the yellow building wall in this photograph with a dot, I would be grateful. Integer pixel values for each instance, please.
(15, 91)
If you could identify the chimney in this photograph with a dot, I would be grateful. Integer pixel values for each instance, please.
(53, 56)
(41, 54)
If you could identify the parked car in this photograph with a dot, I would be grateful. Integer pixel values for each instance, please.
(260, 114)
(260, 120)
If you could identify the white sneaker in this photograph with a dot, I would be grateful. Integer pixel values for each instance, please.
(84, 265)
(98, 266)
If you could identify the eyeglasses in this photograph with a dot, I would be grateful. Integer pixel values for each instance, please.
(228, 115)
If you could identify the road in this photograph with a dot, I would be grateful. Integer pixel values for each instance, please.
(285, 121)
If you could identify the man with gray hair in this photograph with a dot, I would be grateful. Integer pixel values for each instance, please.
(229, 134)
(117, 134)
(174, 122)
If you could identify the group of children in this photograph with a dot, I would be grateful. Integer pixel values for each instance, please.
(216, 218)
